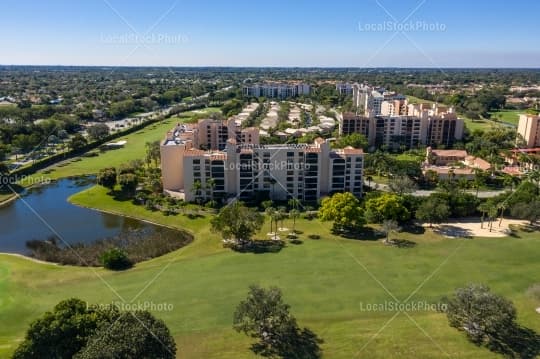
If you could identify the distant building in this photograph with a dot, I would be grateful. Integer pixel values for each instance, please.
(399, 132)
(276, 90)
(436, 126)
(394, 108)
(344, 89)
(369, 100)
(352, 123)
(529, 130)
(453, 163)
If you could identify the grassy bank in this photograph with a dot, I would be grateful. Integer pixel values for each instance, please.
(327, 282)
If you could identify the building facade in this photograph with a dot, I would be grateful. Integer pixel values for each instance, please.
(247, 171)
(421, 126)
(276, 90)
(529, 130)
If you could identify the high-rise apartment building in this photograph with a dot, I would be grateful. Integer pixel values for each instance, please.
(279, 172)
(529, 129)
(276, 90)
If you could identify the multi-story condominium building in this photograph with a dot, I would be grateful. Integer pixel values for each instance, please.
(344, 89)
(394, 108)
(369, 100)
(399, 132)
(391, 132)
(280, 172)
(352, 123)
(529, 129)
(210, 134)
(276, 90)
(444, 129)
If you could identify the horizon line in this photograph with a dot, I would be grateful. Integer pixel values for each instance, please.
(284, 67)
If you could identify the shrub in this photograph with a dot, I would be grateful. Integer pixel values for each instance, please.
(116, 259)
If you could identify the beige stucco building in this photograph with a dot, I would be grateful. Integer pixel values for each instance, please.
(250, 171)
(529, 129)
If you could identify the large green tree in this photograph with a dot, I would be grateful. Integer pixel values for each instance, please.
(238, 222)
(433, 210)
(264, 316)
(133, 335)
(386, 206)
(344, 210)
(64, 331)
(356, 140)
(107, 177)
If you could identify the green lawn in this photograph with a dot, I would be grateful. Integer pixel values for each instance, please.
(508, 116)
(134, 149)
(328, 282)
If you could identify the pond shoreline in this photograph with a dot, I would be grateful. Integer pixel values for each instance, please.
(189, 235)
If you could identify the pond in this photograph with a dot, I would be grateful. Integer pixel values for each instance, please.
(44, 212)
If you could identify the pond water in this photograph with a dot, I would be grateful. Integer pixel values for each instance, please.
(44, 212)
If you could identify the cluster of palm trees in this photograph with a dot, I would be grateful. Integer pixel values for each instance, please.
(279, 214)
(198, 189)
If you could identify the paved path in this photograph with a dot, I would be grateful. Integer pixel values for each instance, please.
(425, 193)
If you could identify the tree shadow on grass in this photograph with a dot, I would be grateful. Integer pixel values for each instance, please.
(258, 246)
(517, 342)
(413, 229)
(529, 228)
(363, 233)
(401, 243)
(447, 230)
(120, 196)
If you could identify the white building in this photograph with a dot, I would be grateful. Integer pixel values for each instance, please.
(276, 90)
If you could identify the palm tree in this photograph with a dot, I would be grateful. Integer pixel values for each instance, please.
(483, 208)
(196, 189)
(492, 214)
(270, 211)
(479, 179)
(276, 216)
(369, 179)
(294, 214)
(282, 211)
(210, 185)
(294, 203)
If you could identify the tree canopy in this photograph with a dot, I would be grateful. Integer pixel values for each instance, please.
(263, 315)
(344, 209)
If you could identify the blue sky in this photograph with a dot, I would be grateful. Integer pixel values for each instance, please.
(357, 33)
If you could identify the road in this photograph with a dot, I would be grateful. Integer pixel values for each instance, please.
(425, 193)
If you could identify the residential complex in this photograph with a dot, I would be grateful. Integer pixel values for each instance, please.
(453, 163)
(405, 126)
(250, 171)
(529, 130)
(209, 134)
(344, 89)
(368, 100)
(276, 90)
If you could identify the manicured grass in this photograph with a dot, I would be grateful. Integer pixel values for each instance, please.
(508, 116)
(328, 283)
(414, 100)
(134, 149)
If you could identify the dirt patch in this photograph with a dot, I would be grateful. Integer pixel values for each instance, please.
(472, 227)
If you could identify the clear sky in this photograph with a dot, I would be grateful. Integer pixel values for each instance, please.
(356, 33)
